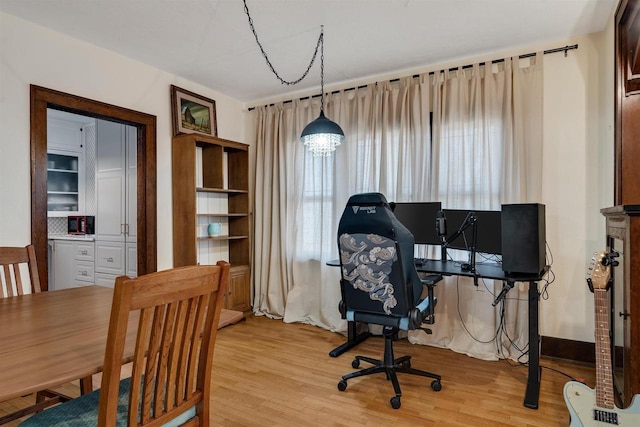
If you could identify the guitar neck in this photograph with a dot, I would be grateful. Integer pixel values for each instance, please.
(604, 377)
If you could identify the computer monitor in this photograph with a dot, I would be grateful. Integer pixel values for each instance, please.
(489, 230)
(420, 219)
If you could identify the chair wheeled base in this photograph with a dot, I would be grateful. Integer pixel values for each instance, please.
(390, 366)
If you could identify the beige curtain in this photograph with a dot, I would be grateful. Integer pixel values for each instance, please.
(479, 142)
(487, 140)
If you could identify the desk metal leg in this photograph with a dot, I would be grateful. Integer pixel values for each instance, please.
(353, 339)
(532, 393)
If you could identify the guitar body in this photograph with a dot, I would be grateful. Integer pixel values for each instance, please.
(581, 402)
(596, 407)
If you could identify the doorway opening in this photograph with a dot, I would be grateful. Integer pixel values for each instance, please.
(43, 99)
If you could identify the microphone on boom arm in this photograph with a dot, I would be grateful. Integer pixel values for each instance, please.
(506, 287)
(470, 219)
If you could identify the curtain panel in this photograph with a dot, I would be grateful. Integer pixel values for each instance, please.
(470, 138)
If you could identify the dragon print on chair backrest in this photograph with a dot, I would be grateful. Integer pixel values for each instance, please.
(367, 260)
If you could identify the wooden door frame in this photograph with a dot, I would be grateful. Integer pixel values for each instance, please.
(627, 103)
(43, 98)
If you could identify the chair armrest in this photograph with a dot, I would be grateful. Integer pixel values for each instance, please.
(431, 279)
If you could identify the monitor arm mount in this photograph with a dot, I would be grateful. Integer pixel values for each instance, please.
(470, 221)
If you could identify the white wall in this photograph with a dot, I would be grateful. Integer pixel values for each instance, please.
(578, 142)
(578, 177)
(34, 55)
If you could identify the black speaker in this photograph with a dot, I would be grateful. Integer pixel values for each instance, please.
(523, 238)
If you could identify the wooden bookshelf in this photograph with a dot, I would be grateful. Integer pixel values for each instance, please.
(210, 182)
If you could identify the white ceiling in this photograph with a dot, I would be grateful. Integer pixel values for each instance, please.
(209, 41)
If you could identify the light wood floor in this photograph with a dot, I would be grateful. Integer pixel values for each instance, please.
(268, 373)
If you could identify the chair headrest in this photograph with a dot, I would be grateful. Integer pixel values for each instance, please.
(368, 199)
(367, 213)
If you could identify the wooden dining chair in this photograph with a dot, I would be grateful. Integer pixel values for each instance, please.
(171, 373)
(11, 279)
(16, 265)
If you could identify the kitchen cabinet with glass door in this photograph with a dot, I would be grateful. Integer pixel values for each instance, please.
(65, 183)
(65, 168)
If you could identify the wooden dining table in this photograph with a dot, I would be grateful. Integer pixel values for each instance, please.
(51, 338)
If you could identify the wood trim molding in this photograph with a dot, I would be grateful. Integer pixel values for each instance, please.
(627, 103)
(577, 351)
(43, 98)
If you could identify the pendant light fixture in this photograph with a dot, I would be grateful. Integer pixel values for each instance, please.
(322, 135)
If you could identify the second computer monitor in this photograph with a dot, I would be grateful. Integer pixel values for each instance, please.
(489, 230)
(420, 219)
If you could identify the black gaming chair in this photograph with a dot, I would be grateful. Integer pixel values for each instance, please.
(380, 284)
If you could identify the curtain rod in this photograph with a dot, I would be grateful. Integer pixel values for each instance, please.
(495, 61)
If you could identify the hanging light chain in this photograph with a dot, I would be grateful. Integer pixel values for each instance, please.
(321, 136)
(321, 68)
(319, 44)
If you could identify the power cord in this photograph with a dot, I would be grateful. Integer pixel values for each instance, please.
(526, 364)
(501, 330)
(462, 320)
(549, 277)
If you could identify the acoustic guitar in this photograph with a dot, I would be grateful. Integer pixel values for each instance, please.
(589, 407)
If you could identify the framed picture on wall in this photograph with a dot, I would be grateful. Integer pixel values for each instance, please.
(192, 113)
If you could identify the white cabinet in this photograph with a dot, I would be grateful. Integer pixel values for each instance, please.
(110, 257)
(72, 264)
(116, 181)
(65, 183)
(107, 280)
(65, 167)
(64, 132)
(131, 259)
(63, 277)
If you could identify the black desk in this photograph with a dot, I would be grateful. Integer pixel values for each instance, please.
(485, 271)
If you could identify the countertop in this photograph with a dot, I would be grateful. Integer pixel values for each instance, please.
(79, 237)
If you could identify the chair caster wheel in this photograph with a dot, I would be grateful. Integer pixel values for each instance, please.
(355, 364)
(436, 385)
(395, 402)
(406, 364)
(342, 385)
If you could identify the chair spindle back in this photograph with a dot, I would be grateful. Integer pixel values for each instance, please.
(11, 280)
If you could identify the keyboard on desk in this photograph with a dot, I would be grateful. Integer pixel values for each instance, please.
(419, 261)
